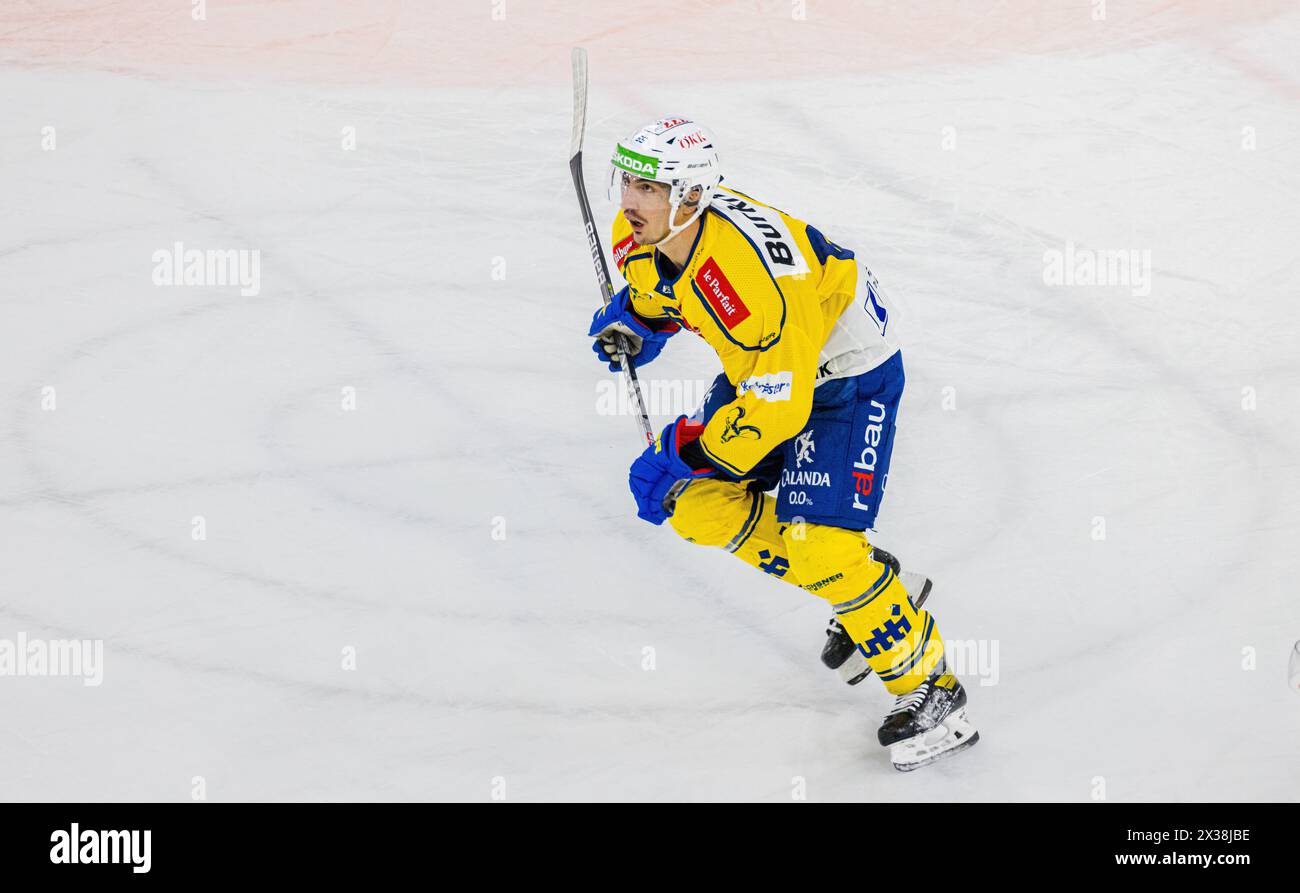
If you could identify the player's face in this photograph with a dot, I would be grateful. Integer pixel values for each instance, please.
(645, 205)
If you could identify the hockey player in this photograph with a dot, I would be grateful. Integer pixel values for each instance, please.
(806, 405)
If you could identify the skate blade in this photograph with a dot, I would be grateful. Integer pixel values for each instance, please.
(918, 586)
(953, 735)
(856, 668)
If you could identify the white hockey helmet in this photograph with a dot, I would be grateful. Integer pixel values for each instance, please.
(676, 151)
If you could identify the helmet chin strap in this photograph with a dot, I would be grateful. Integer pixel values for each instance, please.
(672, 214)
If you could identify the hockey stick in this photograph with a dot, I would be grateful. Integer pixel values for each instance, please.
(598, 253)
(593, 239)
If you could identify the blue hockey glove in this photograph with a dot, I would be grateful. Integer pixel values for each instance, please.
(655, 471)
(617, 318)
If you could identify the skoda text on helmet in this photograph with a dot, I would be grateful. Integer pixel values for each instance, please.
(675, 151)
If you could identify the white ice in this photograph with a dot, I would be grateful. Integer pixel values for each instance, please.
(1103, 485)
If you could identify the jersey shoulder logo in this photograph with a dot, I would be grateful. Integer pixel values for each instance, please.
(720, 294)
(622, 250)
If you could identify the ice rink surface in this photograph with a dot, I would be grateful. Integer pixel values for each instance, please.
(1101, 482)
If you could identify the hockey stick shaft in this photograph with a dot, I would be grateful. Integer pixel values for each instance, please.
(598, 253)
(593, 238)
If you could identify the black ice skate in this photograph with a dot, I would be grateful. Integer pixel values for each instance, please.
(928, 723)
(839, 652)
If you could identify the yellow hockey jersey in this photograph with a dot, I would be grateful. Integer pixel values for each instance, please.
(784, 308)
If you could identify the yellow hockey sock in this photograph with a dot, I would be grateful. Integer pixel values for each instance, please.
(901, 644)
